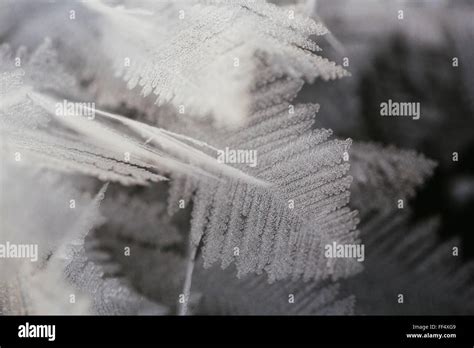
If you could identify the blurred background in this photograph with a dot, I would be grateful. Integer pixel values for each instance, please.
(404, 51)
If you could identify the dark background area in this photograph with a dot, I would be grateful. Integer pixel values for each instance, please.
(408, 60)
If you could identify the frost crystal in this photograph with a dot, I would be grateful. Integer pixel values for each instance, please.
(204, 57)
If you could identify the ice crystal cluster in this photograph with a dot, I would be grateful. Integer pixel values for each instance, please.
(126, 143)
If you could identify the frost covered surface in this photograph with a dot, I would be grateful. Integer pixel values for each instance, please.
(204, 55)
(279, 229)
(40, 287)
(193, 177)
